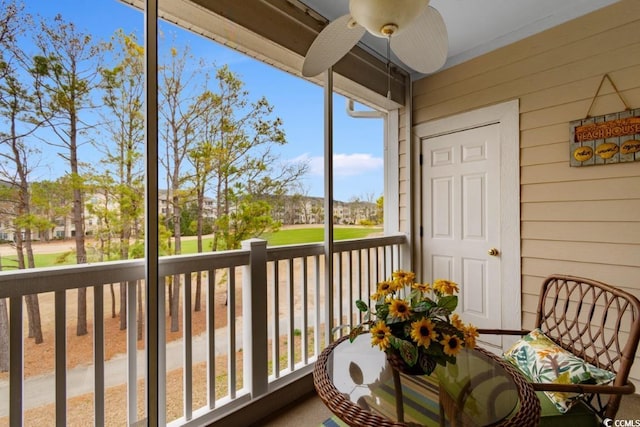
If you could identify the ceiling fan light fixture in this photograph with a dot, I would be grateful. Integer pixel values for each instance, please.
(388, 30)
(383, 18)
(414, 31)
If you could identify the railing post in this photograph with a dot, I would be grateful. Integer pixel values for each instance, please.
(404, 255)
(16, 365)
(254, 318)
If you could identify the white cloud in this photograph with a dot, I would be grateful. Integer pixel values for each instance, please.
(356, 164)
(344, 164)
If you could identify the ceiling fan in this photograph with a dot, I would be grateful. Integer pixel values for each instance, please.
(415, 32)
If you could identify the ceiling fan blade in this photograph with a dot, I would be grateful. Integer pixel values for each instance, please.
(333, 42)
(423, 45)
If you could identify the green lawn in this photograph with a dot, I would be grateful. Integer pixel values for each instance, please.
(293, 236)
(283, 237)
(309, 235)
(9, 262)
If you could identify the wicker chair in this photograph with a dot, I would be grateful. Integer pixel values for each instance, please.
(596, 322)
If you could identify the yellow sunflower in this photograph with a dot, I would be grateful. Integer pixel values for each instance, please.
(404, 277)
(384, 288)
(380, 334)
(457, 321)
(445, 287)
(470, 335)
(423, 331)
(400, 309)
(422, 287)
(452, 344)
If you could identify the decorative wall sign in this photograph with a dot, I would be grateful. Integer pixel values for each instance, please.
(611, 138)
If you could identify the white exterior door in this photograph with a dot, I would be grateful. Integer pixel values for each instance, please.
(461, 224)
(467, 221)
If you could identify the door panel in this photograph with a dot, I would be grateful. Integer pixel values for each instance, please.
(442, 214)
(461, 202)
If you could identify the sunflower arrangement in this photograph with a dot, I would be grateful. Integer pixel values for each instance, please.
(416, 322)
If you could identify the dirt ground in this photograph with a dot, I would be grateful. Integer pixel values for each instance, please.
(39, 359)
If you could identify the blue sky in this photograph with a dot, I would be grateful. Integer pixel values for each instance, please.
(358, 143)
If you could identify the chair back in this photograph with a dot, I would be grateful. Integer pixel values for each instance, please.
(596, 322)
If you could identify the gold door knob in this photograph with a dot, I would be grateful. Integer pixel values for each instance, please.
(493, 252)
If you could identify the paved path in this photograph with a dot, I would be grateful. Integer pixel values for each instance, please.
(40, 390)
(61, 246)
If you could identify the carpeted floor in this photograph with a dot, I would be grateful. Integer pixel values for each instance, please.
(629, 408)
(311, 412)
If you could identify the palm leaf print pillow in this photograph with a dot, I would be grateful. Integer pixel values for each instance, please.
(543, 361)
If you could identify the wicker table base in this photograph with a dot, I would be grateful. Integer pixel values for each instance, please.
(345, 372)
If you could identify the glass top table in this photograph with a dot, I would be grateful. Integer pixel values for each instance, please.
(358, 385)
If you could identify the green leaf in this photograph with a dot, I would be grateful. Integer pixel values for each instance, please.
(382, 311)
(355, 332)
(448, 328)
(428, 364)
(423, 306)
(362, 306)
(435, 350)
(393, 319)
(406, 329)
(395, 342)
(450, 302)
(409, 352)
(438, 311)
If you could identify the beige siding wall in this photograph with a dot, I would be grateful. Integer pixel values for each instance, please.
(581, 221)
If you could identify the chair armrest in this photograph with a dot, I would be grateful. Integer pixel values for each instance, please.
(503, 331)
(628, 388)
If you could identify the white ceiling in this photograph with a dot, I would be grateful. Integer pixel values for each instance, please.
(476, 27)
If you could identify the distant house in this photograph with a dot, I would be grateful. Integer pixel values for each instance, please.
(165, 204)
(298, 209)
(64, 228)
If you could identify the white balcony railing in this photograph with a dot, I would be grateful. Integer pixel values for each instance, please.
(273, 300)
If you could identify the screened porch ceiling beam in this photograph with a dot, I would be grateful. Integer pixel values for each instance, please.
(285, 32)
(289, 26)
